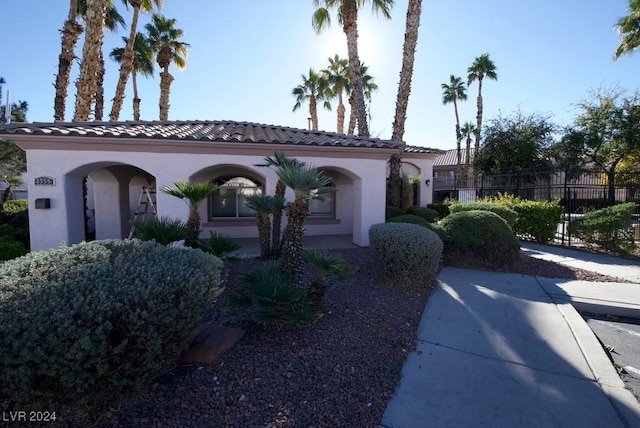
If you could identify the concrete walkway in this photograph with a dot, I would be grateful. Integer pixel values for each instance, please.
(508, 350)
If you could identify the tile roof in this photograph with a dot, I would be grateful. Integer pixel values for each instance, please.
(451, 158)
(417, 149)
(214, 131)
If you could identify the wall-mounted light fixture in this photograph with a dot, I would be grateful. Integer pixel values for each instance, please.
(427, 182)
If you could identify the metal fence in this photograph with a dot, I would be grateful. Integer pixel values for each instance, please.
(586, 192)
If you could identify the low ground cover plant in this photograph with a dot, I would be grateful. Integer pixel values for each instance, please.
(84, 324)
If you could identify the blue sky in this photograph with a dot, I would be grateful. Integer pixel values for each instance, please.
(247, 55)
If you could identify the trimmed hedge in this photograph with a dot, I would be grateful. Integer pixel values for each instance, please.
(610, 228)
(428, 214)
(509, 215)
(391, 212)
(87, 324)
(405, 253)
(537, 220)
(479, 238)
(409, 218)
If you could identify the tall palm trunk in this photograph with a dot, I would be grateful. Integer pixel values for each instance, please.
(458, 135)
(478, 117)
(350, 27)
(264, 231)
(165, 89)
(70, 35)
(414, 10)
(127, 63)
(293, 245)
(99, 109)
(467, 159)
(313, 112)
(277, 221)
(193, 225)
(136, 99)
(341, 111)
(87, 81)
(352, 115)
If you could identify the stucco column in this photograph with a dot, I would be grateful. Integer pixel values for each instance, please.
(369, 200)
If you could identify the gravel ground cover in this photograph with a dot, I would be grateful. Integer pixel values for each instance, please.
(339, 372)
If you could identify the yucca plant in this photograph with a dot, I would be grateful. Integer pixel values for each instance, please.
(163, 230)
(279, 301)
(266, 208)
(278, 160)
(193, 194)
(304, 181)
(326, 264)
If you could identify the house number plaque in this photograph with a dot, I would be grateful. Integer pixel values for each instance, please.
(44, 181)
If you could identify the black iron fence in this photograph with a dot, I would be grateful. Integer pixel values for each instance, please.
(579, 194)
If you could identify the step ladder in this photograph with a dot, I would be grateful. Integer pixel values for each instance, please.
(146, 205)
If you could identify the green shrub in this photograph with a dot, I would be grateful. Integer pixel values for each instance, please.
(220, 245)
(537, 220)
(15, 233)
(16, 215)
(278, 301)
(391, 212)
(441, 207)
(10, 248)
(163, 230)
(428, 214)
(609, 228)
(479, 238)
(405, 253)
(509, 215)
(15, 206)
(409, 218)
(87, 324)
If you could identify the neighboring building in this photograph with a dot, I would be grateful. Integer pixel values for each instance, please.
(447, 182)
(120, 158)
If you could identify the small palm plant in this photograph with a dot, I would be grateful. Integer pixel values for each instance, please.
(326, 264)
(305, 181)
(266, 208)
(193, 194)
(279, 301)
(163, 230)
(220, 246)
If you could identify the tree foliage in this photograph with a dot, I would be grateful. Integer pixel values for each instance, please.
(518, 144)
(629, 29)
(606, 132)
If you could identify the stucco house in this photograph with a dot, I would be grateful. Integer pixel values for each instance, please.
(119, 159)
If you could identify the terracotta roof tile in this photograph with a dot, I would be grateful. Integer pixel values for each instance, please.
(215, 131)
(417, 149)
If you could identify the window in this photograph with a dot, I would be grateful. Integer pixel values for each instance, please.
(322, 205)
(229, 200)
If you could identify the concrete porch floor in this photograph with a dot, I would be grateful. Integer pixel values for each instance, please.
(326, 242)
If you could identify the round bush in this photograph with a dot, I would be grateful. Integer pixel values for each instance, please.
(86, 324)
(405, 253)
(426, 213)
(479, 239)
(10, 248)
(391, 212)
(509, 215)
(409, 218)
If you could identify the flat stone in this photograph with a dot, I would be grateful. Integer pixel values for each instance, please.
(210, 341)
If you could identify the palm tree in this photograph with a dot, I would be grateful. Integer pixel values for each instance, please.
(347, 11)
(482, 67)
(142, 63)
(111, 21)
(193, 194)
(313, 88)
(468, 129)
(70, 34)
(303, 180)
(629, 30)
(266, 207)
(128, 57)
(165, 41)
(337, 74)
(278, 160)
(368, 87)
(451, 93)
(86, 85)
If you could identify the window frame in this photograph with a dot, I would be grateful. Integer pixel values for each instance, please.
(259, 185)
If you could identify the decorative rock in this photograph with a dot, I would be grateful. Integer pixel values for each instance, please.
(210, 342)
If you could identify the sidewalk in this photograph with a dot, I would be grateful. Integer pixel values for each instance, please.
(508, 350)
